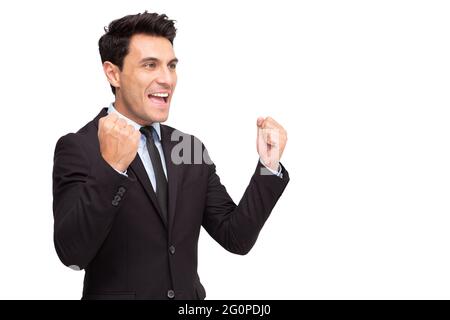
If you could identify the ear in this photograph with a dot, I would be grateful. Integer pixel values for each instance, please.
(112, 73)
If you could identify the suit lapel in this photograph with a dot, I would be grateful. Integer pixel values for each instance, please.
(138, 169)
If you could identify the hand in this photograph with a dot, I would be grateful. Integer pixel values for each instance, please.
(119, 141)
(270, 142)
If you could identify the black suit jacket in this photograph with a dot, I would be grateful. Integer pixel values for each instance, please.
(111, 226)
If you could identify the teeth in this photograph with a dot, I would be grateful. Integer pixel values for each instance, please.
(161, 95)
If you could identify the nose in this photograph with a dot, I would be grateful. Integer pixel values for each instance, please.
(166, 77)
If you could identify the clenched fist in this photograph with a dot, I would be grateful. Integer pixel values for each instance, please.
(119, 141)
(270, 141)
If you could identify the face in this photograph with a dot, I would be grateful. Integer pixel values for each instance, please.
(145, 85)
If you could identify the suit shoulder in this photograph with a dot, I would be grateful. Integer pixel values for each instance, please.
(86, 137)
(81, 137)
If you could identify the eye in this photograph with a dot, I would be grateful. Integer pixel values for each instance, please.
(172, 66)
(150, 65)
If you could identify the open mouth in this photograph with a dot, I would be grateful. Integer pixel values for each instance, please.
(159, 97)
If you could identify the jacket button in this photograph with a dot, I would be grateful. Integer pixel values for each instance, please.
(171, 294)
(172, 249)
(121, 191)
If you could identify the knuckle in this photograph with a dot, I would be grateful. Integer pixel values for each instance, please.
(106, 125)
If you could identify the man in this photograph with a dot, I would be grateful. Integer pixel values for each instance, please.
(130, 194)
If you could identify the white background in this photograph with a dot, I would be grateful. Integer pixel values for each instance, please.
(362, 88)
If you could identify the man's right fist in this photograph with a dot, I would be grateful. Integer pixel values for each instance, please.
(119, 141)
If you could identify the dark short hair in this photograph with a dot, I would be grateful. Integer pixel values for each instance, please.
(113, 45)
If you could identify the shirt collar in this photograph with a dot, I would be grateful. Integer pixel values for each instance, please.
(136, 126)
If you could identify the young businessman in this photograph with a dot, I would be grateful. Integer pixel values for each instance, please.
(130, 194)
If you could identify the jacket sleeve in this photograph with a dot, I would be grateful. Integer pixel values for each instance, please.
(87, 193)
(236, 227)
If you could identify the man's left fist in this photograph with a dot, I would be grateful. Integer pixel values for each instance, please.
(270, 141)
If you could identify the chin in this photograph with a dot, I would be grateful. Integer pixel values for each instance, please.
(159, 117)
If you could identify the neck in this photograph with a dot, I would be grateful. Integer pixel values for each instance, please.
(122, 108)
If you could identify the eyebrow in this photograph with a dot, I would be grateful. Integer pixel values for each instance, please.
(152, 59)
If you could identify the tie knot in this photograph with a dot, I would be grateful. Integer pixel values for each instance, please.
(147, 132)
